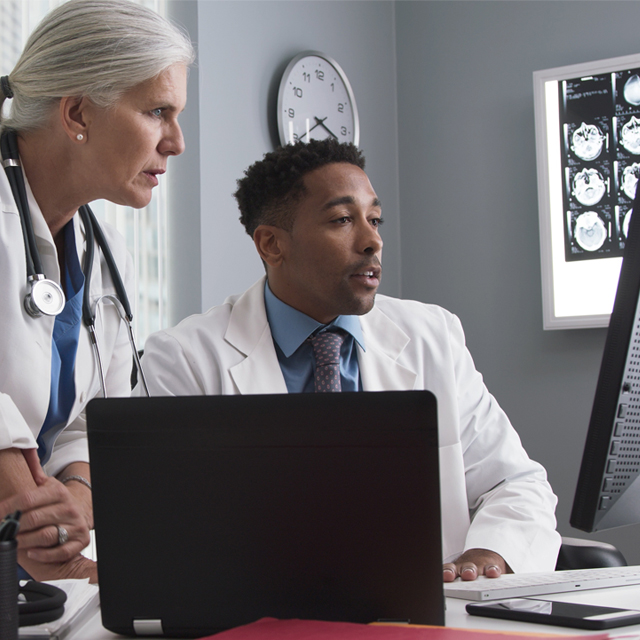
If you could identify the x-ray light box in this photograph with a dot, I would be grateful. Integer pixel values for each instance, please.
(588, 156)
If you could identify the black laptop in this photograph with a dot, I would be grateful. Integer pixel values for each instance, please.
(214, 511)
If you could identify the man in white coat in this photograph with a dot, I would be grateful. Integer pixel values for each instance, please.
(315, 220)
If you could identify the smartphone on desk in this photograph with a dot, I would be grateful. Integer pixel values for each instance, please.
(562, 614)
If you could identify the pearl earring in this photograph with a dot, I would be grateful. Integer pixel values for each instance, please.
(79, 137)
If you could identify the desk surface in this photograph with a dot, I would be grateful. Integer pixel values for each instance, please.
(456, 616)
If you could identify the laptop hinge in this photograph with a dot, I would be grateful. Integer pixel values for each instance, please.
(148, 627)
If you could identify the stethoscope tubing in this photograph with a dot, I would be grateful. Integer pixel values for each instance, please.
(13, 169)
(94, 235)
(94, 232)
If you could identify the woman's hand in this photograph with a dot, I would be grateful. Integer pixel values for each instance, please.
(49, 509)
(47, 512)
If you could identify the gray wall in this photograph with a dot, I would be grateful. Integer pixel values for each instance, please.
(244, 48)
(469, 211)
(445, 95)
(184, 284)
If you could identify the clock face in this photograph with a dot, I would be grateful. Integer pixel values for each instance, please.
(316, 102)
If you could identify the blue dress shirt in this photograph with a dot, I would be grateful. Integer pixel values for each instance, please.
(291, 328)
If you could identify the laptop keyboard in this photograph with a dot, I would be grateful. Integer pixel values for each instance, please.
(516, 585)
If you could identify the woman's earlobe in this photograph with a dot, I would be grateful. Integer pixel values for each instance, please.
(73, 117)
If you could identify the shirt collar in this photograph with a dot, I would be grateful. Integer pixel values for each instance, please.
(290, 327)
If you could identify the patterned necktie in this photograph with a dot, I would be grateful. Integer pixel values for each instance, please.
(326, 349)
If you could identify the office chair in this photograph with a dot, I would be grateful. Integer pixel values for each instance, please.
(576, 553)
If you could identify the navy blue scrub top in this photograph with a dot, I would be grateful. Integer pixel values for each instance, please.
(66, 332)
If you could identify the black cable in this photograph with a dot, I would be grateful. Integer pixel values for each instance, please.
(44, 603)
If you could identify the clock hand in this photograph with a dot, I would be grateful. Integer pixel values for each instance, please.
(327, 128)
(318, 122)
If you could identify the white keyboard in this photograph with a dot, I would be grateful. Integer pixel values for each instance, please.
(516, 585)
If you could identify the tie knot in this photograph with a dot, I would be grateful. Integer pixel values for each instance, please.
(326, 347)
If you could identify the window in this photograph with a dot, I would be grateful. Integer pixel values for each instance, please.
(143, 229)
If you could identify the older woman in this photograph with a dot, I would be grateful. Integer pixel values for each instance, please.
(95, 99)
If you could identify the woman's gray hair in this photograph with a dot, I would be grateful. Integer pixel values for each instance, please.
(94, 48)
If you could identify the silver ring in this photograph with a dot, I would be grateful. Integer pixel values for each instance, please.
(63, 535)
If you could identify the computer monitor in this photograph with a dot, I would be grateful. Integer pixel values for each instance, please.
(608, 490)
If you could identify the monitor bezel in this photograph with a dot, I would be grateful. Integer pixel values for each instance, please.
(601, 435)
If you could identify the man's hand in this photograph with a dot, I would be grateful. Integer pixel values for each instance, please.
(474, 563)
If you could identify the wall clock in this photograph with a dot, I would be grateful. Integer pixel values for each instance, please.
(315, 101)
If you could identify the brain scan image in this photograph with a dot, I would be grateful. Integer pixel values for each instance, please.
(588, 187)
(630, 177)
(590, 232)
(630, 136)
(631, 90)
(625, 223)
(587, 141)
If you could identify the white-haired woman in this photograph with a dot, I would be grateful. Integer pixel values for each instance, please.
(94, 103)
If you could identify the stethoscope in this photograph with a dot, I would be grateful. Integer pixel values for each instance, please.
(45, 297)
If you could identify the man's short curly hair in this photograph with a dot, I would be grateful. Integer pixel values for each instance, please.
(271, 187)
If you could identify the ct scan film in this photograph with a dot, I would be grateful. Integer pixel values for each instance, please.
(587, 119)
(600, 157)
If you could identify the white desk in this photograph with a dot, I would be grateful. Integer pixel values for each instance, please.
(456, 616)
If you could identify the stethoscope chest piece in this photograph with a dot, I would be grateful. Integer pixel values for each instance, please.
(45, 298)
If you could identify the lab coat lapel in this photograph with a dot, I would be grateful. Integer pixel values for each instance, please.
(379, 366)
(249, 332)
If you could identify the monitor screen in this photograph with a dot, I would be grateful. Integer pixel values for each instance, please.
(608, 491)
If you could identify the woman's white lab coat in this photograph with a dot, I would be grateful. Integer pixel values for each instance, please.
(25, 342)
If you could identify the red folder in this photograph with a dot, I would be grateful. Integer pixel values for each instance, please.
(272, 629)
